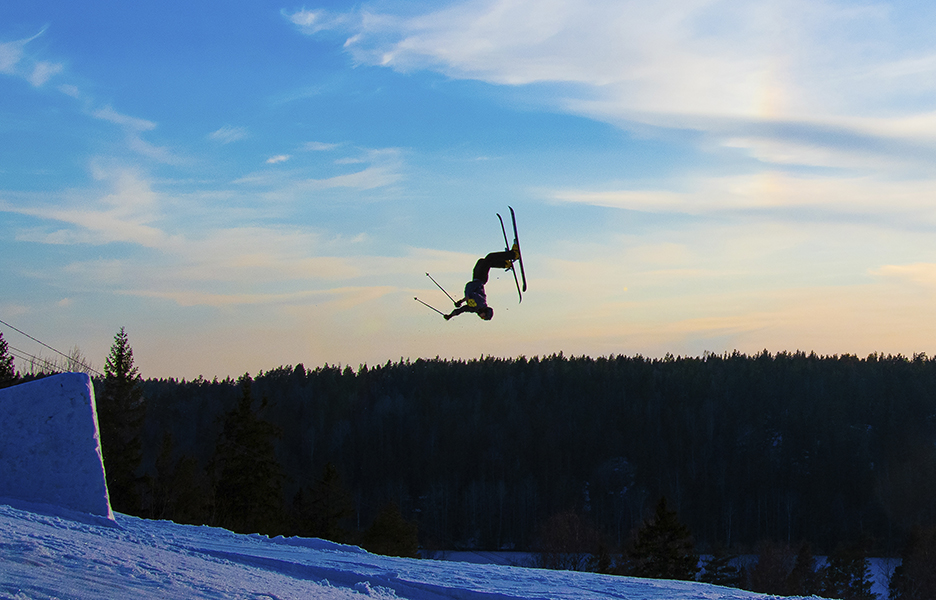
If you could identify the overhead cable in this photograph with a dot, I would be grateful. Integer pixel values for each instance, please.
(67, 357)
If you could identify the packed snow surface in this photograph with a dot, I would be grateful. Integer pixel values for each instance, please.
(46, 552)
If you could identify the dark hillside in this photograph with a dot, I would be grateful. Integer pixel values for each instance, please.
(785, 447)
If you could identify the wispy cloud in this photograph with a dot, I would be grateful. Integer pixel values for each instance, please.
(221, 264)
(228, 134)
(124, 214)
(314, 21)
(778, 194)
(10, 55)
(383, 168)
(368, 179)
(15, 61)
(318, 146)
(107, 113)
(43, 71)
(134, 127)
(345, 297)
(921, 274)
(70, 90)
(826, 68)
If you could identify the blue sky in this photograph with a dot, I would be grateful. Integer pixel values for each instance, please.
(244, 185)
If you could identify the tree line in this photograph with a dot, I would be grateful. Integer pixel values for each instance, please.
(771, 449)
(780, 447)
(764, 454)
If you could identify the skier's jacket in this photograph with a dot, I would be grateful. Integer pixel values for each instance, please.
(475, 298)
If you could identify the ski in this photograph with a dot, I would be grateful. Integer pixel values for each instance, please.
(513, 219)
(507, 247)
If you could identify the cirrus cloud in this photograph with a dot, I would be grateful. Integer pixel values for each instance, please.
(836, 72)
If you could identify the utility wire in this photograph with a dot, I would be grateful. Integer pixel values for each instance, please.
(26, 356)
(72, 359)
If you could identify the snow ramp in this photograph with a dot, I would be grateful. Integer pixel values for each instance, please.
(50, 445)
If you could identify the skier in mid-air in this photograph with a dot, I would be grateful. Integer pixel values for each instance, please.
(475, 299)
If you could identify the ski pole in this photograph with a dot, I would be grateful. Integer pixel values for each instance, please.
(426, 305)
(442, 288)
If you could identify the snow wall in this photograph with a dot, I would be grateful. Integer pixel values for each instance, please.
(50, 445)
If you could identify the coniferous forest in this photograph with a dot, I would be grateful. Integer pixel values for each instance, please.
(623, 465)
(783, 448)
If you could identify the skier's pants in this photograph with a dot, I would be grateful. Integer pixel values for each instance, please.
(494, 260)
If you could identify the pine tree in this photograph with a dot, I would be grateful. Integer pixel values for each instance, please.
(191, 493)
(121, 410)
(847, 575)
(568, 543)
(392, 535)
(803, 579)
(326, 507)
(915, 578)
(664, 548)
(7, 373)
(249, 484)
(179, 491)
(771, 573)
(719, 569)
(159, 486)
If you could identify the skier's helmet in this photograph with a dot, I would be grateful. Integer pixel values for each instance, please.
(487, 314)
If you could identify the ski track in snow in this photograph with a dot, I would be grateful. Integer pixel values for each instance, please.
(52, 553)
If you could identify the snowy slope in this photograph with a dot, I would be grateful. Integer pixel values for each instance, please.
(50, 553)
(73, 546)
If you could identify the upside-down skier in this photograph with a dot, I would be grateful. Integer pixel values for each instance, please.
(475, 299)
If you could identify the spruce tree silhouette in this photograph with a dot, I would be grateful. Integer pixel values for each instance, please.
(664, 548)
(249, 484)
(121, 411)
(915, 578)
(7, 372)
(392, 535)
